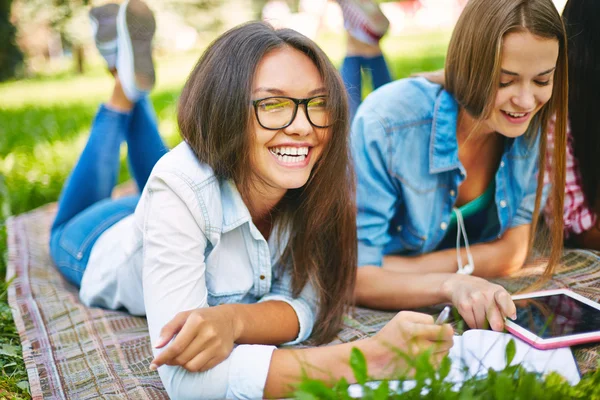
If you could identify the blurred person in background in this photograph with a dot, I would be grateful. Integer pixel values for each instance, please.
(365, 25)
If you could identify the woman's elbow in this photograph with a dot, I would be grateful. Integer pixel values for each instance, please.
(513, 265)
(513, 262)
(514, 248)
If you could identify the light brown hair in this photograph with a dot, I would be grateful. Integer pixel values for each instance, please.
(215, 118)
(473, 66)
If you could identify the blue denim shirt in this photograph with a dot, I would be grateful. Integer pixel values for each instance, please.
(190, 244)
(406, 156)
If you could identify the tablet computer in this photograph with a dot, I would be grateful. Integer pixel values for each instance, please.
(555, 318)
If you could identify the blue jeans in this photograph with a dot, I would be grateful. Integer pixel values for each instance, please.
(85, 207)
(351, 75)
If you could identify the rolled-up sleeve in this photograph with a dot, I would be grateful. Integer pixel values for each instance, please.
(174, 280)
(305, 305)
(376, 193)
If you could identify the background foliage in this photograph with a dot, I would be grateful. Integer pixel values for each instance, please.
(11, 57)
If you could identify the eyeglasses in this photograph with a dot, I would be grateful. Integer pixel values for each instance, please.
(279, 112)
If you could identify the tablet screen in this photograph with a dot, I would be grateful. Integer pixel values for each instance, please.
(556, 315)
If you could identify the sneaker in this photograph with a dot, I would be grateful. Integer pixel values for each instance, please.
(104, 28)
(364, 20)
(135, 30)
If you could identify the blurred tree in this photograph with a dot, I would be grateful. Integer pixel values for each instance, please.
(48, 28)
(47, 25)
(11, 57)
(196, 13)
(257, 6)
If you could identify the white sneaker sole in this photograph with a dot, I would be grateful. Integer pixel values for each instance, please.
(135, 30)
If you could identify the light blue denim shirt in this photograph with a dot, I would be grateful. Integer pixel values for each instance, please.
(190, 244)
(406, 156)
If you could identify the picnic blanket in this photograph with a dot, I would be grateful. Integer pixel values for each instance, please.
(75, 352)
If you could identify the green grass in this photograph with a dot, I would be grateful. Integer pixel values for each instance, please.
(44, 124)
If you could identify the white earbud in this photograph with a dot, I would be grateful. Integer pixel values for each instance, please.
(461, 230)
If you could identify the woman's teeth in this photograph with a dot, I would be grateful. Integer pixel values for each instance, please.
(516, 115)
(290, 154)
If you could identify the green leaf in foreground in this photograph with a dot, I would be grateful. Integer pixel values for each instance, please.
(358, 363)
(511, 350)
(382, 392)
(313, 389)
(444, 368)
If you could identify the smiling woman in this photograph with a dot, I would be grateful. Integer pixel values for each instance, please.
(438, 167)
(244, 235)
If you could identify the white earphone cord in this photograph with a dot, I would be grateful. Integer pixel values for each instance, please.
(461, 230)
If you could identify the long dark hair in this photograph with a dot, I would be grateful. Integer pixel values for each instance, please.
(215, 119)
(583, 31)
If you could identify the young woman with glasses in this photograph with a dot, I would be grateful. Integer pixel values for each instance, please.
(244, 236)
(449, 189)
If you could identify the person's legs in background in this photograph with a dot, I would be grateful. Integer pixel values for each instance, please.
(365, 25)
(136, 26)
(144, 144)
(85, 208)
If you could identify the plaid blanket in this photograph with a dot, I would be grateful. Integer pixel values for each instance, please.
(74, 352)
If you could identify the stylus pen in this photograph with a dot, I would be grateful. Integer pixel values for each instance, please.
(443, 317)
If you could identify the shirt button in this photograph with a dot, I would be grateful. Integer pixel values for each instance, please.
(452, 193)
(443, 225)
(501, 164)
(502, 203)
(399, 228)
(262, 277)
(79, 255)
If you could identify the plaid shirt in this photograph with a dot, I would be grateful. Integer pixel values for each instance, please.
(577, 215)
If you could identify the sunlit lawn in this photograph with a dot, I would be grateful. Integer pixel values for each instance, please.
(44, 124)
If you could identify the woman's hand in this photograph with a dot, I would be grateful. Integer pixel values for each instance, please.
(205, 337)
(410, 333)
(479, 301)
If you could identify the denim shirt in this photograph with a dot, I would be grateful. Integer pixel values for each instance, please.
(190, 244)
(406, 157)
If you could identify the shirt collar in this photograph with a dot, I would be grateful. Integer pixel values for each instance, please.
(443, 146)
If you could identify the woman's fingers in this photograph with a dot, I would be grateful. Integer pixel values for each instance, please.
(199, 344)
(480, 305)
(505, 303)
(495, 317)
(171, 329)
(416, 317)
(434, 333)
(187, 334)
(199, 363)
(465, 309)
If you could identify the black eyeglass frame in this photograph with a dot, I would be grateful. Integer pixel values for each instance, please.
(297, 102)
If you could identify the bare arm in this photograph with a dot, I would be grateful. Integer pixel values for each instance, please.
(269, 322)
(493, 259)
(409, 332)
(391, 290)
(412, 282)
